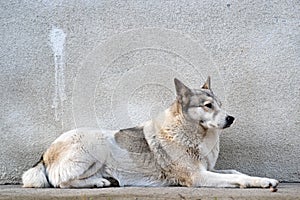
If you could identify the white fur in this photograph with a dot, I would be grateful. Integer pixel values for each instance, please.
(35, 177)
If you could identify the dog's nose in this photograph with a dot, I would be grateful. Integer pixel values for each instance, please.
(229, 121)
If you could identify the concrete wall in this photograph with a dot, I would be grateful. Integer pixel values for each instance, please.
(111, 64)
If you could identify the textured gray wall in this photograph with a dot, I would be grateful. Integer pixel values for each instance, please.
(111, 64)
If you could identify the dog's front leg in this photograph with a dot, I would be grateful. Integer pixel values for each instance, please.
(228, 171)
(212, 179)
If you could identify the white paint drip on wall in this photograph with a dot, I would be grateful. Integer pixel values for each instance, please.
(57, 40)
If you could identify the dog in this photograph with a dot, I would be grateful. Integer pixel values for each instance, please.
(179, 147)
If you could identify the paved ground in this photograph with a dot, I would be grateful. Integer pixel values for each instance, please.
(285, 191)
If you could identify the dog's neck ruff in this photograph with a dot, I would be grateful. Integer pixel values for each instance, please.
(172, 126)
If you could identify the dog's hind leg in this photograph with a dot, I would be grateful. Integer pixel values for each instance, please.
(90, 182)
(92, 177)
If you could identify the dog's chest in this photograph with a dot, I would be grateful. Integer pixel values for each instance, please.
(209, 149)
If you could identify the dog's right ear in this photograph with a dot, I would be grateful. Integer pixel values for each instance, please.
(207, 84)
(182, 91)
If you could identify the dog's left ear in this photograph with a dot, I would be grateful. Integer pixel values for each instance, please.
(207, 84)
(182, 91)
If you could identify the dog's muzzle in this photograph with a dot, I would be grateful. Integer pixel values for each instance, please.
(229, 120)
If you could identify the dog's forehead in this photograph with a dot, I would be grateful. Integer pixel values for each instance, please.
(203, 95)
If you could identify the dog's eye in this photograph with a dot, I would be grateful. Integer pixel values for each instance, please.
(209, 105)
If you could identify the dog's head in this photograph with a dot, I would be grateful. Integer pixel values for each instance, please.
(202, 106)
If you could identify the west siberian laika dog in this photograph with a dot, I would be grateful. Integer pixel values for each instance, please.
(178, 147)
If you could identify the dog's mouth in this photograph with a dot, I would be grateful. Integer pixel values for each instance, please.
(208, 125)
(229, 120)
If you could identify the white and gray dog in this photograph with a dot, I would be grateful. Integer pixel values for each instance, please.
(178, 147)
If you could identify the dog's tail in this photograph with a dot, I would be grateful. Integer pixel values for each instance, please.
(36, 177)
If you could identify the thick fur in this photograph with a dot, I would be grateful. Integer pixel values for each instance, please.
(178, 147)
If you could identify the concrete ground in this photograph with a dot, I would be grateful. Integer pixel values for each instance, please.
(285, 191)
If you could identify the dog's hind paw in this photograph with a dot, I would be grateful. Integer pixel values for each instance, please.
(86, 183)
(102, 183)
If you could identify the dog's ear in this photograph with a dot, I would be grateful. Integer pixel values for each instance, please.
(207, 84)
(182, 91)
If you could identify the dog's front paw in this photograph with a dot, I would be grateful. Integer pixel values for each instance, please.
(268, 183)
